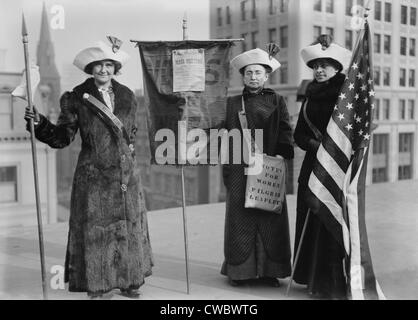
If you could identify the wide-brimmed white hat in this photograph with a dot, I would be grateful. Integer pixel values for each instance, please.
(324, 48)
(98, 52)
(255, 56)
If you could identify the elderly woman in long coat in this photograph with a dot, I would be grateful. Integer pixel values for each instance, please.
(108, 242)
(257, 243)
(320, 263)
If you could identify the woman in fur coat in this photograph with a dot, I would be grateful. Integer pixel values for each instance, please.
(108, 241)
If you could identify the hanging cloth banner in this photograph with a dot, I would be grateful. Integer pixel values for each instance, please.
(185, 88)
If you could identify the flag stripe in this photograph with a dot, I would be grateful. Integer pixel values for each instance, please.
(335, 152)
(356, 269)
(339, 139)
(328, 200)
(328, 182)
(330, 165)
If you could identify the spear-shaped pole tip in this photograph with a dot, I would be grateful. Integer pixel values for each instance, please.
(24, 30)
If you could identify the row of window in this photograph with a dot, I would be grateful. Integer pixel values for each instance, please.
(382, 10)
(282, 7)
(387, 45)
(381, 157)
(283, 34)
(377, 76)
(412, 15)
(403, 46)
(382, 111)
(380, 143)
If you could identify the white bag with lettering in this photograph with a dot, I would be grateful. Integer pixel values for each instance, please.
(267, 189)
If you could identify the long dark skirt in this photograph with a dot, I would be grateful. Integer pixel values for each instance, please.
(320, 263)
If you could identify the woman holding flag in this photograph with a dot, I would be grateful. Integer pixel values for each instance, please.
(108, 242)
(320, 260)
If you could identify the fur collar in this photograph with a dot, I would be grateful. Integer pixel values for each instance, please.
(123, 95)
(325, 91)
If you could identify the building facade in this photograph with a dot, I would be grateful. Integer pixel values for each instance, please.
(294, 24)
(17, 191)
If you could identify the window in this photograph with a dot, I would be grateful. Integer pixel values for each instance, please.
(376, 110)
(413, 17)
(404, 14)
(272, 7)
(405, 140)
(283, 5)
(411, 79)
(244, 42)
(6, 112)
(330, 31)
(402, 77)
(386, 76)
(388, 12)
(317, 5)
(376, 76)
(219, 16)
(272, 35)
(380, 157)
(348, 6)
(243, 12)
(228, 15)
(405, 155)
(349, 39)
(402, 109)
(254, 43)
(283, 73)
(377, 43)
(254, 10)
(412, 45)
(317, 30)
(378, 10)
(411, 109)
(403, 46)
(380, 143)
(284, 37)
(329, 6)
(8, 184)
(386, 44)
(386, 109)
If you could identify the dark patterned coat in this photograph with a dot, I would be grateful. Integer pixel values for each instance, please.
(244, 227)
(320, 259)
(108, 242)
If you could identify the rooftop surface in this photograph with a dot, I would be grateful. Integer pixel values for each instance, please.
(392, 224)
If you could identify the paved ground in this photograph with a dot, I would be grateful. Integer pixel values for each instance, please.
(392, 222)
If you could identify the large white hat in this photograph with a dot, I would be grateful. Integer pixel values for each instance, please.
(255, 56)
(100, 51)
(326, 49)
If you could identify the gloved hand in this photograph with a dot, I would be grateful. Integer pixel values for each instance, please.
(32, 115)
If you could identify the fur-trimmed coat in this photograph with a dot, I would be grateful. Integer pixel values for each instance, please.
(108, 241)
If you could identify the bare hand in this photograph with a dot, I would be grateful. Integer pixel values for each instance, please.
(32, 115)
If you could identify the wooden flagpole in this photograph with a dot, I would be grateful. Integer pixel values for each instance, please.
(34, 159)
(186, 251)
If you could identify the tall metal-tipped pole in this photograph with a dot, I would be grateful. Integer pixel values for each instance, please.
(35, 163)
(186, 251)
(185, 36)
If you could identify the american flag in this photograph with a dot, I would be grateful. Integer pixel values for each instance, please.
(339, 174)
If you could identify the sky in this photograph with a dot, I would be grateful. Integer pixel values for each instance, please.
(88, 21)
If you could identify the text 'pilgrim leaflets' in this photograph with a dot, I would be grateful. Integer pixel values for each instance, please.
(188, 70)
(266, 190)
